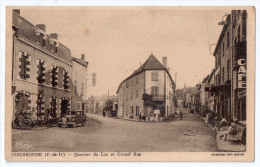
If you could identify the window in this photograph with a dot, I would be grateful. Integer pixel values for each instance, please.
(137, 80)
(66, 79)
(44, 40)
(227, 39)
(40, 103)
(131, 97)
(137, 111)
(154, 76)
(75, 87)
(24, 65)
(132, 83)
(154, 91)
(41, 68)
(54, 76)
(137, 93)
(127, 84)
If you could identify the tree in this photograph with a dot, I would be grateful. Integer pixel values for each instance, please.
(108, 105)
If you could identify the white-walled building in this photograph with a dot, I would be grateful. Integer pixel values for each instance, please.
(79, 79)
(149, 88)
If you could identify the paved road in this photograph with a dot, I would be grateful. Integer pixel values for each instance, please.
(113, 135)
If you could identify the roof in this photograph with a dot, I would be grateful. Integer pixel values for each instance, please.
(27, 30)
(80, 61)
(222, 34)
(205, 79)
(150, 64)
(191, 90)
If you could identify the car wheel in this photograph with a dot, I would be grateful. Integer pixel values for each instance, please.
(74, 124)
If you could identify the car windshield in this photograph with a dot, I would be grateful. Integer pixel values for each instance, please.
(79, 113)
(71, 113)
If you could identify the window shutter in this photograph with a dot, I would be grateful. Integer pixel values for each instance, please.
(56, 75)
(28, 63)
(21, 64)
(43, 71)
(42, 104)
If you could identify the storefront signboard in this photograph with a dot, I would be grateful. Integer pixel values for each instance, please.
(241, 93)
(241, 80)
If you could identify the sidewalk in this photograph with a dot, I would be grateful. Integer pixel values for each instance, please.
(226, 146)
(229, 146)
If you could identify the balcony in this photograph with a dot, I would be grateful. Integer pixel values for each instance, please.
(158, 98)
(150, 98)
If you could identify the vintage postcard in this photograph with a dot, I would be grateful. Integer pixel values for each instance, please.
(129, 83)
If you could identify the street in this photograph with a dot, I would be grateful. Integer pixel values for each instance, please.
(116, 135)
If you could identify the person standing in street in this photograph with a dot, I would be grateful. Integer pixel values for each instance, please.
(104, 113)
(181, 115)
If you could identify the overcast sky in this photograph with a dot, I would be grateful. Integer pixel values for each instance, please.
(117, 40)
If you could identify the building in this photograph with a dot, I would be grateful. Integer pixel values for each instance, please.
(211, 96)
(79, 77)
(41, 70)
(150, 87)
(222, 55)
(95, 105)
(230, 68)
(239, 43)
(189, 96)
(203, 93)
(179, 97)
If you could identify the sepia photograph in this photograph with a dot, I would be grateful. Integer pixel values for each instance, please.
(130, 83)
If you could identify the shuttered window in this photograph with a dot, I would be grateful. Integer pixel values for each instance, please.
(24, 65)
(41, 71)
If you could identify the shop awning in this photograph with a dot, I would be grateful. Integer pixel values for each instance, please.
(219, 88)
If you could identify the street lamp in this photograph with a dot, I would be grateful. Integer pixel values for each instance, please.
(223, 22)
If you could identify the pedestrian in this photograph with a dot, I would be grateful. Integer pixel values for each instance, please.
(180, 115)
(140, 117)
(104, 114)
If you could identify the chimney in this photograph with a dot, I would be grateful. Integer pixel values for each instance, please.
(54, 35)
(164, 61)
(17, 11)
(41, 26)
(83, 57)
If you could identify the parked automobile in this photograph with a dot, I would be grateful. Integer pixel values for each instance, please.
(72, 119)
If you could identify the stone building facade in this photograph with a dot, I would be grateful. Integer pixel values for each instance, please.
(41, 70)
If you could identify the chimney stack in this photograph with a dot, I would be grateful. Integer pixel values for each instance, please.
(54, 35)
(164, 61)
(83, 57)
(41, 26)
(17, 11)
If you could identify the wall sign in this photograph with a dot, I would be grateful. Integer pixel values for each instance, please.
(241, 80)
(241, 93)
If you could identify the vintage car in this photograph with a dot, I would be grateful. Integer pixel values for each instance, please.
(72, 119)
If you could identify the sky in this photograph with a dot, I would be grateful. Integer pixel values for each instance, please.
(117, 40)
